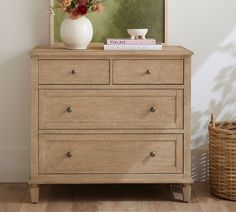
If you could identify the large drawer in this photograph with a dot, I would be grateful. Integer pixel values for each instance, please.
(110, 109)
(110, 153)
(74, 72)
(150, 72)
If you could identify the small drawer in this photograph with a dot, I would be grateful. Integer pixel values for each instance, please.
(110, 153)
(150, 72)
(110, 109)
(80, 72)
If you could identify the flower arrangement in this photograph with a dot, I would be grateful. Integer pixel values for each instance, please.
(79, 8)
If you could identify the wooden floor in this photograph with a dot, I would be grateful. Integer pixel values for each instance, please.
(110, 198)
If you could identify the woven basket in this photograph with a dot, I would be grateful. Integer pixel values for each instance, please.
(222, 155)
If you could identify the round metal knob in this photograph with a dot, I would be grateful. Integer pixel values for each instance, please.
(152, 154)
(73, 72)
(153, 109)
(69, 109)
(148, 72)
(69, 154)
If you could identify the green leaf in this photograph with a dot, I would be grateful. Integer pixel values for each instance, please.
(73, 5)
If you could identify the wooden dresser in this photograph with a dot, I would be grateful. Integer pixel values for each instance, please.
(110, 117)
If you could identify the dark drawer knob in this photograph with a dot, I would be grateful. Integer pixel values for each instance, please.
(152, 154)
(148, 72)
(153, 109)
(73, 72)
(69, 109)
(69, 154)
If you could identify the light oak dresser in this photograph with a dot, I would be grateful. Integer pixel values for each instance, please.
(110, 117)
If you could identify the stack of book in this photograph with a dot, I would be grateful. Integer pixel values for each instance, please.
(128, 44)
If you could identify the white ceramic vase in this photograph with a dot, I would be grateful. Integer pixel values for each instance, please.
(76, 33)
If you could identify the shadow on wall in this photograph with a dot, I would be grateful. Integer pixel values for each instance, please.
(200, 164)
(223, 107)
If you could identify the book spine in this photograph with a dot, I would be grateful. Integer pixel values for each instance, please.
(132, 47)
(130, 42)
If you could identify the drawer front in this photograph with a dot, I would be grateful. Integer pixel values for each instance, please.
(110, 109)
(148, 72)
(110, 153)
(74, 72)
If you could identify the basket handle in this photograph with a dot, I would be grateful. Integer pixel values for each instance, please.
(213, 120)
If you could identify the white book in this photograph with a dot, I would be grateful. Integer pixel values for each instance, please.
(132, 47)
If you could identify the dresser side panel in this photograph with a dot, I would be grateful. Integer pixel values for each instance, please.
(187, 117)
(34, 116)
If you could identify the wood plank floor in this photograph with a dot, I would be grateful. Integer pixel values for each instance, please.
(110, 198)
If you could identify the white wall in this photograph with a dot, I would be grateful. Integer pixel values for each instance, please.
(23, 25)
(208, 27)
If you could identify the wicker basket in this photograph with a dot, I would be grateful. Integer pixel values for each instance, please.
(222, 155)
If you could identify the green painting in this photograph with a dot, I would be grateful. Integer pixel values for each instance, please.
(120, 15)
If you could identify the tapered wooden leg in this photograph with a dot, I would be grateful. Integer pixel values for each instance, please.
(186, 192)
(34, 193)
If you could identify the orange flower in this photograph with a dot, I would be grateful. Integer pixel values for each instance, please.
(98, 8)
(65, 4)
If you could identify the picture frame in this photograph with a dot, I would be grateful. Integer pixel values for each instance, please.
(54, 26)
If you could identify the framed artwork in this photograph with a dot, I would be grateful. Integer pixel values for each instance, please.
(117, 17)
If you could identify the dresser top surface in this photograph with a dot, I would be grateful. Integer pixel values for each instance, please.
(98, 51)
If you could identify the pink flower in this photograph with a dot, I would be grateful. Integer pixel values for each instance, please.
(98, 8)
